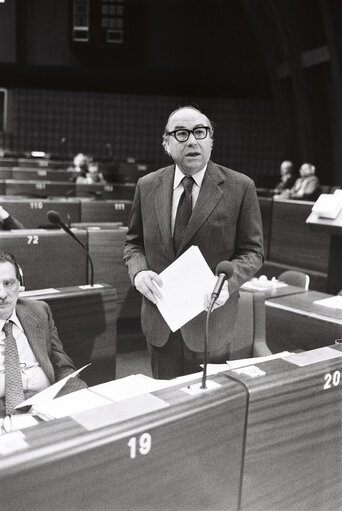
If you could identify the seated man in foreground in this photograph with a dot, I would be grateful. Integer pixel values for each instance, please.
(31, 354)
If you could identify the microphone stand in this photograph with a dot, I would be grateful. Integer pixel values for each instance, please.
(89, 261)
(205, 363)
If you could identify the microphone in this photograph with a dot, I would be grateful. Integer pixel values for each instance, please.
(224, 271)
(55, 218)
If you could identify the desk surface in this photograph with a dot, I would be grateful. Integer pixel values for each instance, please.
(296, 322)
(193, 463)
(273, 292)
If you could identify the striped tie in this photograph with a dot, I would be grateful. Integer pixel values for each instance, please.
(14, 393)
(184, 211)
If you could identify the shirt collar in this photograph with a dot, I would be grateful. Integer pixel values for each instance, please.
(198, 177)
(13, 317)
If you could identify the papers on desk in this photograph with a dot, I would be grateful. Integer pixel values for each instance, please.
(49, 392)
(328, 205)
(243, 362)
(262, 283)
(333, 302)
(185, 283)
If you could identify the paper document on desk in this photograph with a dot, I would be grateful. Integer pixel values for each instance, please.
(50, 392)
(333, 302)
(185, 283)
(243, 362)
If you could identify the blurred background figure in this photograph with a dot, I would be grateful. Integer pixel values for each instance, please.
(80, 166)
(91, 176)
(306, 186)
(8, 222)
(287, 177)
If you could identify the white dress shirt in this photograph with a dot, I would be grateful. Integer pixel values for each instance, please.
(178, 189)
(33, 376)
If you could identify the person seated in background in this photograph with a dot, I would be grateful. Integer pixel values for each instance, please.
(287, 177)
(306, 186)
(92, 176)
(8, 222)
(80, 165)
(31, 354)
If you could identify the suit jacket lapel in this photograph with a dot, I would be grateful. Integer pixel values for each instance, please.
(209, 196)
(36, 337)
(163, 202)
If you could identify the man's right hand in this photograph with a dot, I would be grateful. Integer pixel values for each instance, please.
(145, 282)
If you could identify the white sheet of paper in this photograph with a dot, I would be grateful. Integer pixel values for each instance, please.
(49, 392)
(185, 283)
(70, 404)
(333, 302)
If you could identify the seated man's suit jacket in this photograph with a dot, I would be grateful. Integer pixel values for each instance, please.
(36, 319)
(225, 225)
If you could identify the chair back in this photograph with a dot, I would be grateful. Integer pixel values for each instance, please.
(295, 278)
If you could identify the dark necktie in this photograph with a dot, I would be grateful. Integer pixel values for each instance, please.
(184, 211)
(14, 393)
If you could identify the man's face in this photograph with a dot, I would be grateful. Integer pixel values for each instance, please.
(192, 155)
(285, 169)
(9, 289)
(305, 170)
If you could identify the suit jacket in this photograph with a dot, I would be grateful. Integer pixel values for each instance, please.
(36, 319)
(225, 225)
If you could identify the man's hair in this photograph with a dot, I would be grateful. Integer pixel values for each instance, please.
(6, 257)
(166, 131)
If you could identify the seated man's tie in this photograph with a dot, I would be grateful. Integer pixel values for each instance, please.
(14, 393)
(184, 211)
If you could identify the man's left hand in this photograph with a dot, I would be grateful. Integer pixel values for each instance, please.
(221, 300)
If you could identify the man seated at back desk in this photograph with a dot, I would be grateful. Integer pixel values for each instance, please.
(31, 354)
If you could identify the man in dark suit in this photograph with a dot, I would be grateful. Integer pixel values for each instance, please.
(225, 224)
(41, 355)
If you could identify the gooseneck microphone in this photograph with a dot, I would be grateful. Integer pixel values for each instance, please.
(55, 218)
(224, 271)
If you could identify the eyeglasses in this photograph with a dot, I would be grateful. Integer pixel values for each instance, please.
(182, 135)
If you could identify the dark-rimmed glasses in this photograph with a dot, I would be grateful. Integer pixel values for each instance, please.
(182, 134)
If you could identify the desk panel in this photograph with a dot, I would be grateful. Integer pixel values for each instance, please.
(119, 191)
(32, 213)
(41, 189)
(296, 322)
(292, 241)
(193, 464)
(43, 163)
(86, 323)
(266, 204)
(5, 173)
(106, 211)
(40, 174)
(48, 258)
(106, 250)
(294, 437)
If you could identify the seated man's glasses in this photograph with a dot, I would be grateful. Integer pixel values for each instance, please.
(182, 134)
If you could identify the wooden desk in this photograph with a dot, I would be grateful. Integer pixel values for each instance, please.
(296, 322)
(40, 174)
(332, 228)
(105, 211)
(194, 462)
(41, 189)
(32, 213)
(274, 292)
(266, 205)
(106, 251)
(48, 258)
(5, 173)
(86, 323)
(118, 191)
(293, 245)
(43, 163)
(294, 435)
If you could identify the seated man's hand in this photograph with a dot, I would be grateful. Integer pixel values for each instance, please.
(3, 213)
(221, 300)
(147, 282)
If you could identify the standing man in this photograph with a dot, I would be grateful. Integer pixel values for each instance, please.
(31, 354)
(225, 224)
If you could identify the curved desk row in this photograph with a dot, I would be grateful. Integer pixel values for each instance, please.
(268, 437)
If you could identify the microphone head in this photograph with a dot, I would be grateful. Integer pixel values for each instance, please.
(225, 267)
(54, 217)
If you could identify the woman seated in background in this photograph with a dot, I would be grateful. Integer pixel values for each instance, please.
(306, 186)
(8, 222)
